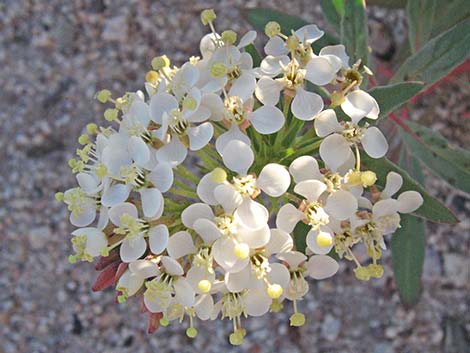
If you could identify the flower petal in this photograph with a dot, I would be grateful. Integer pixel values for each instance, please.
(228, 197)
(205, 189)
(320, 71)
(257, 302)
(200, 135)
(162, 177)
(161, 103)
(173, 153)
(180, 244)
(117, 211)
(268, 90)
(341, 204)
(254, 238)
(243, 87)
(184, 293)
(322, 266)
(409, 201)
(233, 133)
(274, 179)
(158, 238)
(207, 230)
(247, 39)
(236, 282)
(238, 156)
(335, 151)
(310, 189)
(275, 47)
(392, 185)
(309, 33)
(251, 214)
(132, 249)
(312, 243)
(336, 50)
(194, 212)
(172, 267)
(144, 268)
(267, 119)
(288, 217)
(374, 142)
(138, 150)
(152, 201)
(305, 168)
(326, 123)
(306, 105)
(115, 194)
(279, 241)
(359, 104)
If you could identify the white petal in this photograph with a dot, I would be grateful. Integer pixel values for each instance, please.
(409, 201)
(322, 266)
(309, 33)
(279, 241)
(334, 150)
(385, 208)
(161, 103)
(87, 182)
(238, 156)
(306, 105)
(138, 150)
(144, 268)
(248, 38)
(162, 177)
(267, 119)
(172, 153)
(293, 258)
(341, 204)
(172, 267)
(279, 274)
(204, 306)
(374, 142)
(152, 201)
(222, 250)
(268, 90)
(251, 214)
(243, 87)
(194, 212)
(310, 189)
(131, 282)
(200, 135)
(95, 241)
(214, 103)
(228, 197)
(103, 218)
(132, 249)
(271, 64)
(117, 211)
(288, 217)
(312, 244)
(392, 185)
(274, 179)
(205, 190)
(156, 305)
(184, 293)
(326, 123)
(337, 50)
(158, 238)
(305, 168)
(257, 302)
(359, 104)
(275, 47)
(236, 282)
(180, 244)
(140, 110)
(208, 45)
(254, 238)
(320, 71)
(233, 133)
(116, 194)
(207, 230)
(198, 273)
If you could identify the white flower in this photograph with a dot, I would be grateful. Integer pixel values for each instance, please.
(88, 243)
(134, 277)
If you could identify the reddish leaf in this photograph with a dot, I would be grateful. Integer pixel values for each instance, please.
(121, 269)
(107, 260)
(153, 322)
(106, 278)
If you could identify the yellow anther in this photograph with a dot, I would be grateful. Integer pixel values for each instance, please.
(368, 178)
(72, 163)
(208, 16)
(104, 252)
(91, 128)
(164, 321)
(120, 102)
(274, 291)
(376, 271)
(189, 103)
(191, 332)
(59, 196)
(337, 98)
(152, 77)
(72, 259)
(160, 62)
(241, 251)
(111, 114)
(236, 338)
(218, 175)
(103, 95)
(276, 306)
(362, 273)
(292, 43)
(297, 319)
(272, 29)
(204, 286)
(83, 139)
(229, 37)
(354, 178)
(324, 239)
(218, 69)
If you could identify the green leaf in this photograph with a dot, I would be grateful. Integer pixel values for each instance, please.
(420, 22)
(450, 163)
(258, 18)
(438, 57)
(408, 248)
(391, 97)
(450, 13)
(300, 236)
(333, 10)
(255, 55)
(432, 209)
(394, 4)
(354, 30)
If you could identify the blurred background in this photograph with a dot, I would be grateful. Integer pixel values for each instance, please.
(54, 55)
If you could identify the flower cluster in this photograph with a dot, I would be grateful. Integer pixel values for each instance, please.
(222, 242)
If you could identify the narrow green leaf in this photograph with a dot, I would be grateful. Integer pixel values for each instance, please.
(392, 97)
(420, 22)
(438, 57)
(450, 163)
(300, 236)
(255, 55)
(354, 30)
(394, 4)
(258, 18)
(450, 13)
(432, 209)
(333, 10)
(408, 248)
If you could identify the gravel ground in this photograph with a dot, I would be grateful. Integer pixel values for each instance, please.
(54, 55)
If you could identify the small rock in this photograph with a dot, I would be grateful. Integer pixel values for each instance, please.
(331, 327)
(38, 237)
(457, 268)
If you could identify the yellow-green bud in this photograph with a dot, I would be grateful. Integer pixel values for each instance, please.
(204, 286)
(274, 291)
(297, 319)
(292, 43)
(164, 321)
(324, 239)
(218, 175)
(151, 76)
(208, 16)
(191, 332)
(103, 95)
(190, 103)
(111, 114)
(229, 37)
(354, 178)
(218, 69)
(83, 139)
(160, 62)
(91, 128)
(72, 259)
(272, 29)
(59, 196)
(368, 178)
(362, 273)
(104, 252)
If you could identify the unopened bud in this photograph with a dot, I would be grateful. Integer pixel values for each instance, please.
(274, 291)
(324, 239)
(368, 178)
(218, 69)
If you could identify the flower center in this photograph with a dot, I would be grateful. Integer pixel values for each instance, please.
(160, 289)
(293, 75)
(226, 224)
(352, 132)
(234, 110)
(178, 124)
(316, 215)
(332, 181)
(246, 185)
(232, 306)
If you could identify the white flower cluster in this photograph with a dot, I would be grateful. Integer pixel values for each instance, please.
(221, 242)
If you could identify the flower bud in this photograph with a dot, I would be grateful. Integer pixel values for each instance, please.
(204, 286)
(272, 29)
(229, 37)
(324, 239)
(208, 16)
(368, 178)
(191, 332)
(218, 175)
(218, 70)
(274, 291)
